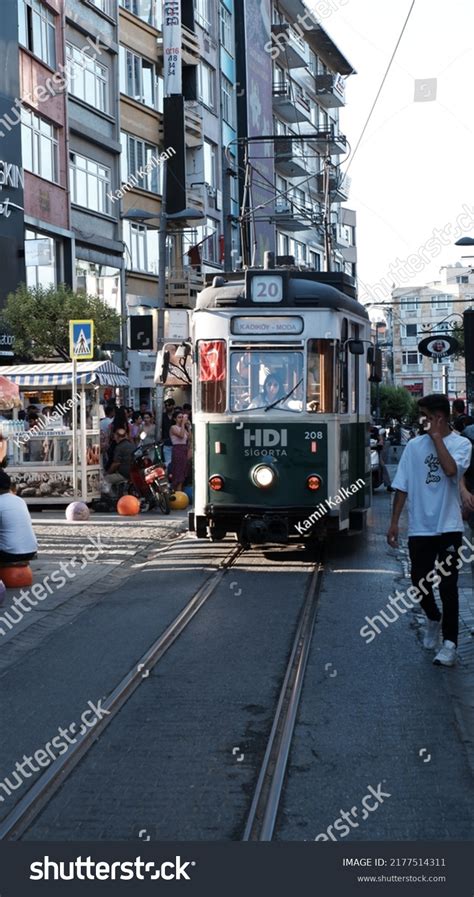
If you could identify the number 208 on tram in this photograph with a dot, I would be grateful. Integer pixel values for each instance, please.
(281, 406)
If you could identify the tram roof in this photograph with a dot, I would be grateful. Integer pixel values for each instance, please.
(303, 289)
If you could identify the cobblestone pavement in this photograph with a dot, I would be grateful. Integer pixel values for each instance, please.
(65, 552)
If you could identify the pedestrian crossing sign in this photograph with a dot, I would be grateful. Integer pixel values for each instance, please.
(81, 340)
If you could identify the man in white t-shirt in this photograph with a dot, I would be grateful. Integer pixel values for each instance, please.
(428, 475)
(17, 539)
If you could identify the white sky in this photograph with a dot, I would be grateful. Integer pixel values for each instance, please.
(414, 170)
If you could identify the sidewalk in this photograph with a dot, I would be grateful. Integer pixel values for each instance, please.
(78, 565)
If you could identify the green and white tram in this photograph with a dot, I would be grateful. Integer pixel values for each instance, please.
(281, 406)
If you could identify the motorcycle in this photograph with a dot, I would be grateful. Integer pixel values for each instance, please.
(148, 477)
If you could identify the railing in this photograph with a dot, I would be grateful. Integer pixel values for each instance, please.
(182, 287)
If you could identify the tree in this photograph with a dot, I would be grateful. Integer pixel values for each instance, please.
(39, 318)
(395, 401)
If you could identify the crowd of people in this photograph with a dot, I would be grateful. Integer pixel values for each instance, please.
(122, 429)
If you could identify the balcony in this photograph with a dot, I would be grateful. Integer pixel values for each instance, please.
(289, 159)
(193, 130)
(182, 287)
(338, 186)
(291, 104)
(328, 140)
(293, 52)
(409, 340)
(330, 90)
(293, 217)
(190, 46)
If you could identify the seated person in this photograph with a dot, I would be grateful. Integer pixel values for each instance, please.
(274, 391)
(17, 539)
(118, 471)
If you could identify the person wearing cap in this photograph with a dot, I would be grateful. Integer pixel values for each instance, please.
(17, 539)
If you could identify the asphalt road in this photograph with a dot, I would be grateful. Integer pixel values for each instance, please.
(181, 758)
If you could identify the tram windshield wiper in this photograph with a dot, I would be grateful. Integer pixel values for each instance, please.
(284, 398)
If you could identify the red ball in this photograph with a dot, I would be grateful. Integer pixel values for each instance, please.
(128, 506)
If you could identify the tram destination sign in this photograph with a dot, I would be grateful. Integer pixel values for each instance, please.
(263, 326)
(438, 345)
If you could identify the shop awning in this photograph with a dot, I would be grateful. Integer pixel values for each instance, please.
(99, 373)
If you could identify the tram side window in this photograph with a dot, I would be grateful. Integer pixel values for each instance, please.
(343, 370)
(212, 376)
(355, 365)
(321, 392)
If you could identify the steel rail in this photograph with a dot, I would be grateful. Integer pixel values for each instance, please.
(44, 788)
(263, 812)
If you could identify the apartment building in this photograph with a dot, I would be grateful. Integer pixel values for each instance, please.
(92, 55)
(36, 241)
(420, 311)
(285, 46)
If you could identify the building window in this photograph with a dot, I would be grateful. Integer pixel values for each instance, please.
(314, 260)
(88, 79)
(409, 329)
(148, 11)
(37, 30)
(202, 13)
(101, 281)
(463, 278)
(142, 247)
(412, 358)
(42, 275)
(300, 253)
(409, 303)
(138, 79)
(441, 301)
(206, 78)
(137, 154)
(282, 244)
(225, 21)
(227, 94)
(210, 164)
(90, 184)
(106, 6)
(39, 146)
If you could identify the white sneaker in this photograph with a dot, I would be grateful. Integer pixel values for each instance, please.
(447, 655)
(431, 638)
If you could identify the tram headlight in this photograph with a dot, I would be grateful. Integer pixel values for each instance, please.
(263, 476)
(216, 483)
(314, 482)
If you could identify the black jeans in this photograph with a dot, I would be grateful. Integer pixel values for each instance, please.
(424, 552)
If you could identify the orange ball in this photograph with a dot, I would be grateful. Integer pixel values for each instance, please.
(128, 506)
(16, 577)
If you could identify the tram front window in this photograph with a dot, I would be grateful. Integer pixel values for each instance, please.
(266, 379)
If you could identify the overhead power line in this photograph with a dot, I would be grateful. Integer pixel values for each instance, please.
(389, 66)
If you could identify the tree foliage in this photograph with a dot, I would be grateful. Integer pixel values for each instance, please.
(395, 401)
(39, 319)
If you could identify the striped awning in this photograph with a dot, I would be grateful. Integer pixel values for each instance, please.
(99, 373)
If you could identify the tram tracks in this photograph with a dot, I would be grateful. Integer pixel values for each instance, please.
(263, 812)
(262, 816)
(41, 792)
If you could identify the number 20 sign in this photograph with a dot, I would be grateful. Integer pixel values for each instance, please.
(267, 288)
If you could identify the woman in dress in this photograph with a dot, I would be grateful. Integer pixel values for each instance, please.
(179, 435)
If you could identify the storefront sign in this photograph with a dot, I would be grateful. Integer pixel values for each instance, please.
(172, 38)
(438, 346)
(10, 176)
(7, 341)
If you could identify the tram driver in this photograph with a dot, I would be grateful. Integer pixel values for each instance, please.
(274, 393)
